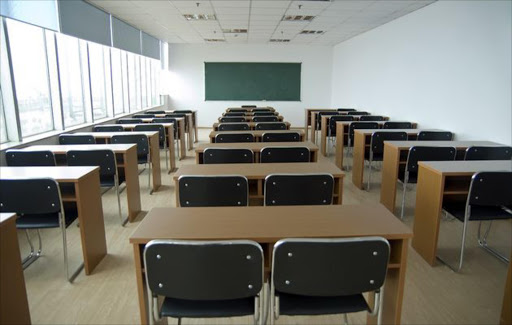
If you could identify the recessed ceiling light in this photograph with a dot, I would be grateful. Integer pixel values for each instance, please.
(311, 32)
(190, 17)
(297, 18)
(279, 40)
(235, 30)
(213, 40)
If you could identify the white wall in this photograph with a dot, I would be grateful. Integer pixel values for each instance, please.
(186, 84)
(445, 66)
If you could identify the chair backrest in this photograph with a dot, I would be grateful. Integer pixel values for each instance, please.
(152, 127)
(239, 110)
(281, 137)
(105, 159)
(249, 106)
(397, 125)
(324, 113)
(227, 156)
(378, 138)
(129, 121)
(329, 267)
(15, 157)
(338, 118)
(346, 110)
(488, 153)
(176, 115)
(265, 113)
(233, 127)
(358, 113)
(108, 128)
(232, 114)
(490, 189)
(76, 139)
(204, 270)
(155, 112)
(203, 191)
(140, 140)
(299, 189)
(182, 111)
(360, 125)
(371, 118)
(265, 119)
(423, 153)
(168, 120)
(435, 136)
(271, 126)
(284, 154)
(233, 137)
(30, 196)
(232, 119)
(143, 115)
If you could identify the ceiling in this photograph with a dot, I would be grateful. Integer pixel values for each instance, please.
(334, 21)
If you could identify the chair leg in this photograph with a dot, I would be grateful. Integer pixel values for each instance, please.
(370, 170)
(345, 319)
(123, 222)
(166, 156)
(482, 242)
(149, 176)
(32, 257)
(65, 250)
(406, 179)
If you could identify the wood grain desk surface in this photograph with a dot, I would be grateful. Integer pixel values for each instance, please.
(467, 167)
(5, 216)
(258, 133)
(112, 133)
(252, 124)
(259, 171)
(257, 145)
(456, 144)
(59, 173)
(133, 125)
(408, 131)
(64, 148)
(269, 224)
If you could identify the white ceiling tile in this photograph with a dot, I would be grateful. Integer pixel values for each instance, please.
(303, 12)
(232, 11)
(310, 4)
(268, 11)
(269, 4)
(349, 5)
(254, 17)
(231, 4)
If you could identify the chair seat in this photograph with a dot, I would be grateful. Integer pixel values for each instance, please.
(179, 308)
(51, 220)
(457, 209)
(142, 159)
(308, 305)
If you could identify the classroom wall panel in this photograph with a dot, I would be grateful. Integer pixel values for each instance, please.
(445, 66)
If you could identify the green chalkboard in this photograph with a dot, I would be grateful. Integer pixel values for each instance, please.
(252, 81)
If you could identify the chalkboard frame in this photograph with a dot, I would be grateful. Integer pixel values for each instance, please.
(293, 94)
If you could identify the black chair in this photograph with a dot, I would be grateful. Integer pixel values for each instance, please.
(108, 128)
(155, 112)
(143, 153)
(233, 127)
(182, 111)
(250, 106)
(281, 137)
(371, 118)
(284, 154)
(227, 156)
(346, 110)
(212, 191)
(265, 119)
(106, 160)
(234, 137)
(76, 139)
(161, 120)
(143, 115)
(129, 121)
(397, 125)
(319, 118)
(488, 153)
(15, 157)
(357, 113)
(237, 119)
(299, 189)
(435, 136)
(489, 199)
(265, 113)
(270, 126)
(234, 114)
(238, 110)
(377, 147)
(38, 204)
(262, 109)
(358, 126)
(331, 134)
(199, 279)
(327, 276)
(421, 153)
(162, 137)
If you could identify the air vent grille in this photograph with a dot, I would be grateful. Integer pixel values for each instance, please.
(192, 17)
(298, 18)
(312, 32)
(279, 40)
(214, 40)
(235, 31)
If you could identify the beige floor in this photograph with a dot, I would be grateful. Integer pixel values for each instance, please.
(432, 295)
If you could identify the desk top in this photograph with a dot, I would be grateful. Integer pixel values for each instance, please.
(112, 133)
(269, 224)
(467, 167)
(59, 173)
(408, 131)
(64, 148)
(257, 133)
(257, 146)
(259, 171)
(133, 125)
(456, 144)
(5, 216)
(252, 124)
(150, 119)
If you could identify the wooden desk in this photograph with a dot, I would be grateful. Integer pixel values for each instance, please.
(192, 118)
(250, 118)
(256, 174)
(267, 225)
(250, 113)
(249, 109)
(310, 119)
(258, 135)
(395, 157)
(181, 132)
(506, 311)
(154, 149)
(256, 148)
(252, 125)
(440, 181)
(85, 182)
(126, 155)
(13, 293)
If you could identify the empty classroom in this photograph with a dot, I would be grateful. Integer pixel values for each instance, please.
(255, 162)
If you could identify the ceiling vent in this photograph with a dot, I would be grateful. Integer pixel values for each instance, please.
(194, 17)
(312, 32)
(279, 40)
(235, 31)
(297, 18)
(214, 40)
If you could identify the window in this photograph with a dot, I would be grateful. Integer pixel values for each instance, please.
(134, 81)
(3, 131)
(149, 84)
(155, 80)
(124, 69)
(98, 85)
(143, 82)
(70, 80)
(117, 81)
(29, 63)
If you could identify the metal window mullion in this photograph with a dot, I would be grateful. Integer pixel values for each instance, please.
(140, 83)
(82, 79)
(48, 78)
(122, 81)
(104, 81)
(128, 82)
(59, 82)
(112, 83)
(90, 83)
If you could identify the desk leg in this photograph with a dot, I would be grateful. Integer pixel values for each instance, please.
(323, 137)
(314, 156)
(141, 286)
(90, 216)
(190, 121)
(195, 127)
(131, 174)
(340, 144)
(177, 191)
(338, 190)
(390, 165)
(155, 161)
(358, 160)
(306, 124)
(172, 154)
(183, 149)
(429, 200)
(313, 127)
(506, 311)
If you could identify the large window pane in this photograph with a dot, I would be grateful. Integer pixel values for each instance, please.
(148, 81)
(143, 82)
(3, 131)
(124, 69)
(98, 84)
(70, 80)
(134, 81)
(155, 80)
(30, 77)
(117, 81)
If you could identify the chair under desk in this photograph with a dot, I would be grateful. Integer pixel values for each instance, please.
(126, 155)
(181, 133)
(250, 109)
(256, 148)
(267, 225)
(85, 194)
(395, 157)
(192, 119)
(258, 134)
(252, 125)
(256, 173)
(309, 120)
